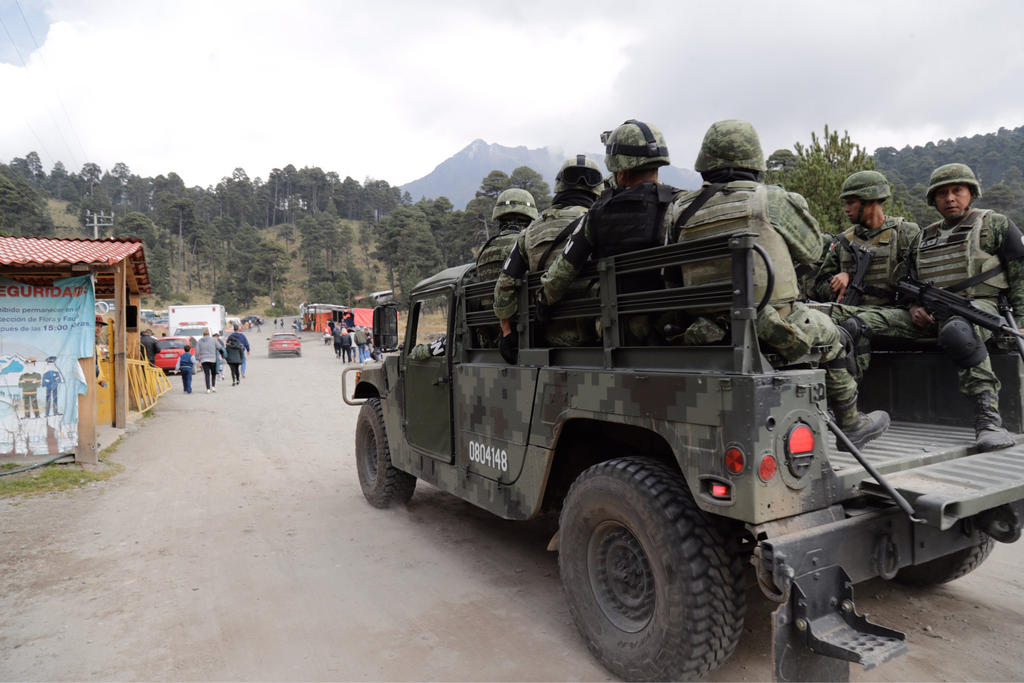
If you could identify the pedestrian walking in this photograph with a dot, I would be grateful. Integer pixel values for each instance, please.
(337, 340)
(234, 355)
(359, 337)
(207, 350)
(245, 342)
(346, 345)
(220, 356)
(185, 365)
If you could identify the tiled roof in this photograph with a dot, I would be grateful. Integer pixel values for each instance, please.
(43, 250)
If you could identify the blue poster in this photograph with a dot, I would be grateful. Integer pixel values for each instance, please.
(44, 330)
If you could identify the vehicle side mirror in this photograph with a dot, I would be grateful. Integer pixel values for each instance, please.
(385, 327)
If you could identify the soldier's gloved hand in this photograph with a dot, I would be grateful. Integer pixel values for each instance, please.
(543, 309)
(508, 347)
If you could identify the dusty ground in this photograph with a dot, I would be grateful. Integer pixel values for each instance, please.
(242, 549)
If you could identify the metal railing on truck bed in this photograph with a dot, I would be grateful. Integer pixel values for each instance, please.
(662, 299)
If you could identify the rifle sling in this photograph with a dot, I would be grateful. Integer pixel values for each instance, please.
(977, 279)
(562, 236)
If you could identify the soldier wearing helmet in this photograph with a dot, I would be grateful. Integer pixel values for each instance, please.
(624, 219)
(977, 253)
(872, 255)
(577, 185)
(514, 209)
(731, 163)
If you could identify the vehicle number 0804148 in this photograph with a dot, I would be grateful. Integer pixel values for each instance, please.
(488, 455)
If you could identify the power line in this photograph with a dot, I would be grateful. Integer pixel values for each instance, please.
(56, 92)
(54, 122)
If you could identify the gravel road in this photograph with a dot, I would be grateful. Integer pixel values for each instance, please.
(236, 545)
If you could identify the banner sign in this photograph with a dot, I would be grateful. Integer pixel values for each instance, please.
(44, 330)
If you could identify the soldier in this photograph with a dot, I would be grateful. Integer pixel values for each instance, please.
(867, 260)
(731, 162)
(577, 185)
(624, 219)
(975, 252)
(513, 210)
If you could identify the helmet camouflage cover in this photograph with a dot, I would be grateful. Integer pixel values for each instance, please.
(635, 145)
(867, 186)
(579, 173)
(514, 200)
(730, 144)
(952, 174)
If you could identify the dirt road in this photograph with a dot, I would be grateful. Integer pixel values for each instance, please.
(236, 545)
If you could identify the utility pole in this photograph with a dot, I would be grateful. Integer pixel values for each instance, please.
(99, 220)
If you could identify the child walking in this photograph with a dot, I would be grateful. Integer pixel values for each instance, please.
(185, 365)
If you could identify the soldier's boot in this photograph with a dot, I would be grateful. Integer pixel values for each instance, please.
(860, 428)
(988, 425)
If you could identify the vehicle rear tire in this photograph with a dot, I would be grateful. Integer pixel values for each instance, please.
(948, 567)
(653, 586)
(381, 482)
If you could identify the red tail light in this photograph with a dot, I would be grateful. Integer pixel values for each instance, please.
(768, 468)
(720, 490)
(800, 439)
(734, 460)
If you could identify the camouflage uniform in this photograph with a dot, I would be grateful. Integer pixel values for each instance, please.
(893, 245)
(633, 146)
(576, 186)
(950, 252)
(514, 209)
(731, 161)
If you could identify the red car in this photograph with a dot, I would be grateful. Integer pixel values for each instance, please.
(284, 342)
(167, 351)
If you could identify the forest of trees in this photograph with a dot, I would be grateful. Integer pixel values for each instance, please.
(222, 239)
(239, 239)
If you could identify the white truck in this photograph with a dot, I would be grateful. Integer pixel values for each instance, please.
(189, 321)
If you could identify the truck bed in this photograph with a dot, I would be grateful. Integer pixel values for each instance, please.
(932, 466)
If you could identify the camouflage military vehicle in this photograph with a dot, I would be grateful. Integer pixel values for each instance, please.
(683, 474)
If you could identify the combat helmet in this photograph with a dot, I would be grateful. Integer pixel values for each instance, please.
(634, 145)
(730, 144)
(514, 201)
(866, 186)
(580, 173)
(950, 174)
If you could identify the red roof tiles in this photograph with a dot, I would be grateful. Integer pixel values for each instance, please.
(41, 251)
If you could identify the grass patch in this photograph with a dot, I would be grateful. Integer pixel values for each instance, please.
(58, 477)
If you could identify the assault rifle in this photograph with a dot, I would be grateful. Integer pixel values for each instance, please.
(941, 303)
(854, 293)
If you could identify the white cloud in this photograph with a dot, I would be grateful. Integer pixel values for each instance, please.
(392, 89)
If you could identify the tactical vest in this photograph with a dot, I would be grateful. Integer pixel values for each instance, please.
(881, 274)
(545, 230)
(492, 256)
(628, 219)
(742, 206)
(950, 255)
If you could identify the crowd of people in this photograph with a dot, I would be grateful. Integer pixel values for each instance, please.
(352, 343)
(211, 354)
(829, 298)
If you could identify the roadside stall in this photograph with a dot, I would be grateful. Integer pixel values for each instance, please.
(50, 342)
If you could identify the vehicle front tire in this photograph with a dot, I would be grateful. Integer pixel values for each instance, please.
(948, 567)
(653, 586)
(381, 482)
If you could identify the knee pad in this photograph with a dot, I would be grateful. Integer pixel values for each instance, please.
(857, 329)
(958, 340)
(847, 358)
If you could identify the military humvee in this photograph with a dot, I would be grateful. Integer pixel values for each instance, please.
(683, 473)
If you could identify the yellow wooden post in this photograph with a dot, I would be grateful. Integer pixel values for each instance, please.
(120, 366)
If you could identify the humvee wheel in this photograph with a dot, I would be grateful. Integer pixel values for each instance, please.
(948, 567)
(381, 482)
(651, 584)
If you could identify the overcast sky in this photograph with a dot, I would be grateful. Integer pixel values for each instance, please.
(388, 91)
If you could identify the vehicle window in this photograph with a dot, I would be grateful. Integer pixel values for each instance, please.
(431, 320)
(164, 344)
